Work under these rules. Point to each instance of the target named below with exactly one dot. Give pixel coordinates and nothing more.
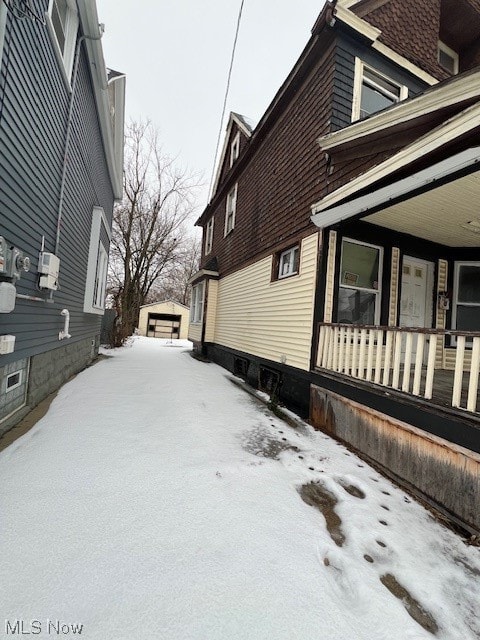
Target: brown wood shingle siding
(283, 178)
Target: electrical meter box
(8, 292)
(3, 255)
(7, 344)
(49, 267)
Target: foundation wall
(445, 474)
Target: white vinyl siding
(211, 310)
(269, 319)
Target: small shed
(165, 319)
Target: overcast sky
(176, 55)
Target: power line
(226, 95)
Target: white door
(416, 294)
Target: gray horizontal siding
(32, 143)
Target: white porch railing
(400, 358)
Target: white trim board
(324, 218)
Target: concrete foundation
(48, 371)
(445, 474)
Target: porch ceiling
(438, 215)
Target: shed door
(163, 325)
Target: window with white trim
(447, 58)
(359, 290)
(235, 149)
(62, 22)
(14, 380)
(97, 265)
(373, 91)
(196, 310)
(230, 210)
(100, 278)
(209, 236)
(288, 262)
(466, 303)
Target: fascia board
(356, 23)
(434, 100)
(344, 15)
(387, 194)
(241, 126)
(456, 126)
(233, 118)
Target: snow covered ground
(158, 500)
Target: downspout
(3, 22)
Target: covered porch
(405, 359)
(401, 286)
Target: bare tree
(149, 226)
(173, 285)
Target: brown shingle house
(341, 263)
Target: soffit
(437, 215)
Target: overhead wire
(227, 88)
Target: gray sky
(176, 55)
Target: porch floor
(442, 390)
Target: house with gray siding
(61, 164)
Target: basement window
(14, 380)
(447, 58)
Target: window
(288, 262)
(447, 58)
(94, 300)
(466, 312)
(14, 380)
(62, 21)
(230, 210)
(100, 278)
(373, 91)
(209, 236)
(235, 149)
(196, 312)
(360, 274)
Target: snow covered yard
(158, 500)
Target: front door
(416, 293)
